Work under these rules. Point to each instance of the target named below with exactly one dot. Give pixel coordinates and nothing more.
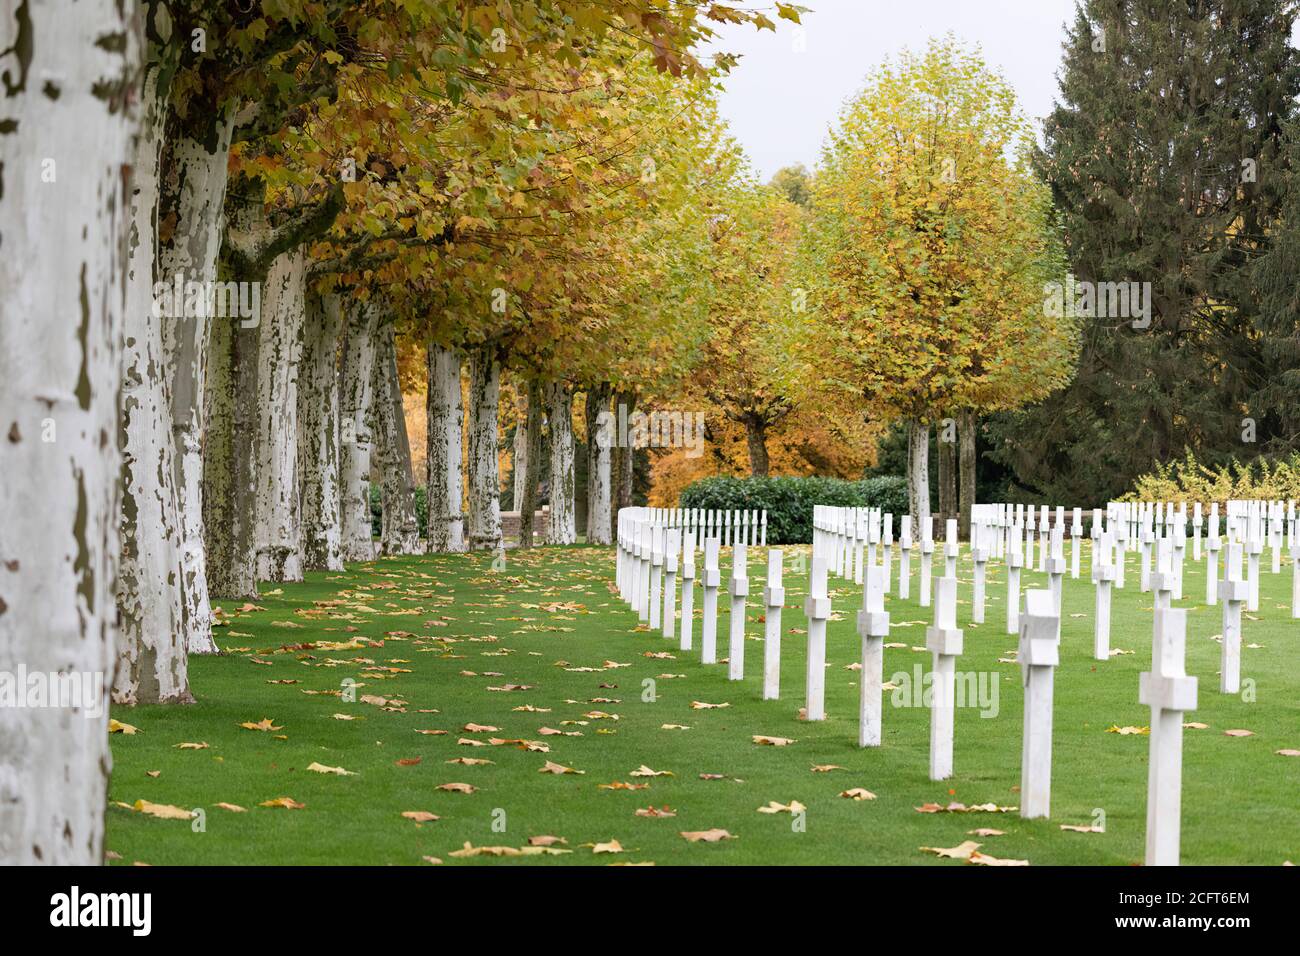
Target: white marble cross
(1042, 539)
(1234, 592)
(672, 547)
(656, 575)
(950, 548)
(1179, 551)
(1170, 693)
(1103, 574)
(1212, 546)
(1197, 522)
(1148, 543)
(980, 555)
(1162, 579)
(944, 641)
(873, 628)
(1040, 630)
(1056, 569)
(1295, 581)
(688, 590)
(1015, 561)
(738, 588)
(1076, 529)
(905, 559)
(1255, 547)
(711, 580)
(773, 600)
(887, 549)
(927, 556)
(643, 571)
(817, 607)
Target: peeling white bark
(562, 528)
(918, 475)
(152, 655)
(62, 273)
(354, 430)
(193, 191)
(318, 435)
(600, 435)
(519, 456)
(484, 474)
(399, 528)
(445, 420)
(284, 314)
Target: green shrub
(421, 511)
(789, 501)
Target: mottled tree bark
(533, 463)
(967, 422)
(444, 492)
(947, 470)
(357, 375)
(756, 438)
(399, 528)
(562, 528)
(600, 434)
(152, 655)
(484, 475)
(71, 94)
(318, 435)
(918, 474)
(624, 404)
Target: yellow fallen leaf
(287, 803)
(983, 859)
(772, 806)
(644, 771)
(232, 807)
(857, 793)
(420, 816)
(263, 724)
(191, 746)
(1126, 731)
(117, 727)
(962, 851)
(611, 846)
(715, 835)
(457, 787)
(771, 741)
(164, 811)
(1078, 829)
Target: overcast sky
(781, 102)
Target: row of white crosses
(850, 540)
(747, 526)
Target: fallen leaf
(612, 846)
(337, 771)
(1239, 733)
(164, 811)
(857, 793)
(456, 787)
(117, 727)
(263, 724)
(644, 771)
(420, 816)
(983, 859)
(772, 806)
(962, 851)
(707, 836)
(772, 741)
(556, 768)
(287, 803)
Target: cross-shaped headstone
(1197, 522)
(672, 546)
(711, 580)
(950, 549)
(1103, 574)
(738, 587)
(817, 607)
(773, 600)
(1076, 529)
(1255, 547)
(1015, 561)
(1212, 546)
(1170, 693)
(927, 556)
(980, 556)
(887, 548)
(944, 641)
(656, 575)
(1056, 568)
(688, 589)
(1039, 655)
(905, 559)
(873, 628)
(1234, 591)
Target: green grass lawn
(451, 629)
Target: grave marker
(1076, 529)
(1103, 573)
(712, 578)
(738, 587)
(905, 559)
(774, 600)
(688, 590)
(950, 549)
(927, 555)
(1169, 692)
(673, 544)
(656, 575)
(1212, 570)
(1039, 655)
(873, 628)
(817, 607)
(1234, 592)
(944, 641)
(1014, 562)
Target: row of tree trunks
(484, 473)
(63, 273)
(318, 435)
(400, 529)
(356, 378)
(600, 435)
(445, 419)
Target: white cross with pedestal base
(673, 545)
(688, 590)
(773, 600)
(818, 609)
(1103, 574)
(1039, 655)
(1015, 560)
(873, 628)
(1234, 592)
(711, 580)
(738, 588)
(1170, 693)
(944, 640)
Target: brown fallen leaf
(983, 859)
(556, 768)
(232, 807)
(337, 771)
(611, 846)
(1239, 733)
(469, 761)
(164, 811)
(457, 787)
(962, 851)
(1078, 829)
(655, 812)
(286, 803)
(191, 746)
(409, 761)
(772, 806)
(420, 816)
(153, 773)
(986, 832)
(771, 741)
(825, 767)
(545, 840)
(858, 793)
(480, 729)
(263, 724)
(622, 785)
(707, 836)
(644, 771)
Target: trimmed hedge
(789, 501)
(377, 510)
